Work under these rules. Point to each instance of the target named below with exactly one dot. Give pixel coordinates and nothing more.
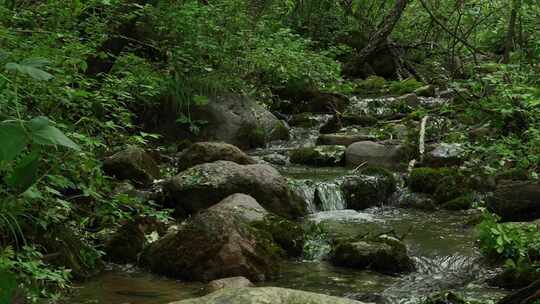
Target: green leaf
(31, 67)
(44, 133)
(8, 284)
(25, 173)
(13, 133)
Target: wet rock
(132, 164)
(463, 202)
(304, 120)
(444, 184)
(276, 159)
(370, 85)
(515, 278)
(206, 152)
(128, 242)
(238, 120)
(204, 185)
(368, 297)
(216, 243)
(425, 91)
(516, 201)
(374, 154)
(265, 295)
(372, 187)
(445, 154)
(445, 298)
(318, 156)
(416, 201)
(343, 139)
(234, 282)
(287, 234)
(383, 254)
(340, 121)
(410, 99)
(302, 98)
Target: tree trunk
(510, 33)
(381, 35)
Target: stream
(442, 244)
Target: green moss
(280, 131)
(287, 234)
(389, 178)
(425, 91)
(318, 156)
(371, 85)
(254, 135)
(426, 180)
(463, 202)
(405, 86)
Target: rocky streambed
(353, 217)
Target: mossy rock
(463, 202)
(425, 91)
(287, 234)
(372, 187)
(445, 298)
(427, 180)
(371, 85)
(303, 120)
(280, 131)
(319, 156)
(444, 184)
(408, 85)
(515, 278)
(383, 254)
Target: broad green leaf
(25, 173)
(13, 140)
(31, 67)
(44, 133)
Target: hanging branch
(444, 28)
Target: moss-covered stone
(444, 184)
(445, 298)
(280, 131)
(319, 156)
(425, 91)
(287, 234)
(405, 86)
(303, 120)
(371, 85)
(372, 187)
(427, 180)
(463, 202)
(383, 253)
(514, 174)
(514, 278)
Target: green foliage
(516, 244)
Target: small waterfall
(330, 197)
(320, 196)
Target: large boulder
(445, 154)
(318, 156)
(207, 152)
(373, 187)
(516, 201)
(132, 164)
(383, 254)
(374, 154)
(265, 295)
(206, 184)
(238, 120)
(216, 243)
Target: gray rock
(425, 91)
(206, 184)
(132, 164)
(445, 154)
(318, 156)
(234, 282)
(374, 154)
(238, 120)
(367, 190)
(516, 201)
(343, 139)
(384, 254)
(410, 99)
(265, 295)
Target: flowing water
(441, 243)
